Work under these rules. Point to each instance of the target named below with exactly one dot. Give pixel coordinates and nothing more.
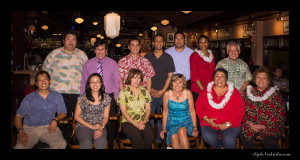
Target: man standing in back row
(134, 60)
(65, 67)
(164, 68)
(181, 56)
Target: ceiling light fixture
(165, 22)
(44, 27)
(154, 28)
(112, 25)
(79, 20)
(186, 12)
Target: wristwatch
(102, 126)
(227, 124)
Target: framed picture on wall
(285, 26)
(214, 35)
(170, 37)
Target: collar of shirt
(48, 96)
(130, 57)
(102, 60)
(75, 51)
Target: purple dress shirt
(110, 74)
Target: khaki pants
(40, 133)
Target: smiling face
(100, 51)
(179, 41)
(159, 42)
(135, 81)
(233, 52)
(220, 79)
(262, 81)
(95, 83)
(203, 44)
(70, 42)
(134, 47)
(43, 82)
(178, 85)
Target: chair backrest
(18, 82)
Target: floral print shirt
(136, 107)
(92, 114)
(238, 72)
(65, 70)
(141, 63)
(270, 113)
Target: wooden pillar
(257, 38)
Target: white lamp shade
(112, 25)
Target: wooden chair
(194, 142)
(257, 142)
(122, 140)
(73, 143)
(237, 142)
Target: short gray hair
(231, 43)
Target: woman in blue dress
(179, 117)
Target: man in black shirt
(164, 68)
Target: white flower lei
(206, 59)
(264, 97)
(224, 101)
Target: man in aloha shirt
(65, 66)
(238, 71)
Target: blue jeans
(228, 140)
(156, 108)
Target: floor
(285, 141)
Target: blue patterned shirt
(38, 111)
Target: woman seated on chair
(265, 112)
(135, 104)
(92, 114)
(220, 108)
(179, 117)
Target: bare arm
(165, 114)
(199, 84)
(192, 109)
(166, 86)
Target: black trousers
(70, 102)
(111, 124)
(269, 142)
(141, 139)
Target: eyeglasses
(95, 82)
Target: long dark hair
(88, 90)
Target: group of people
(195, 96)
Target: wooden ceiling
(134, 22)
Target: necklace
(264, 97)
(206, 59)
(225, 99)
(177, 97)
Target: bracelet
(18, 130)
(55, 120)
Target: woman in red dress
(265, 112)
(202, 65)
